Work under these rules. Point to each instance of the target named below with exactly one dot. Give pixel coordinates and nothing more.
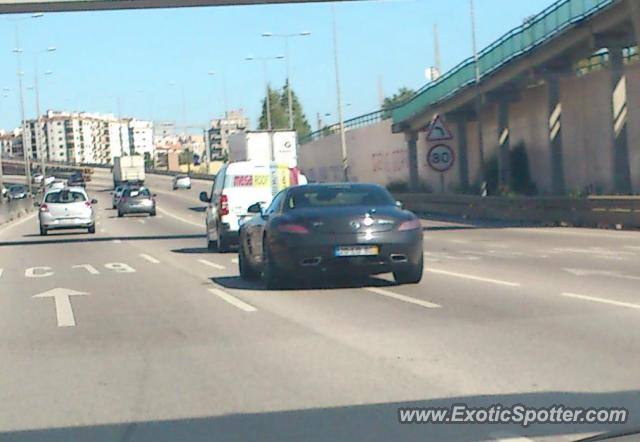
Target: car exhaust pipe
(398, 257)
(311, 262)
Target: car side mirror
(94, 201)
(255, 208)
(204, 197)
(399, 205)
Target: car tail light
(410, 225)
(44, 208)
(293, 228)
(223, 205)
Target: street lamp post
(264, 61)
(1, 173)
(40, 148)
(343, 139)
(286, 38)
(478, 98)
(19, 73)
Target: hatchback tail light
(223, 207)
(44, 208)
(293, 228)
(410, 225)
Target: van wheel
(92, 229)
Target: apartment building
(81, 137)
(221, 128)
(11, 143)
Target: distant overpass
(29, 6)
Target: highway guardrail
(596, 211)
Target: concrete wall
(15, 209)
(375, 155)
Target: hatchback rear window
(65, 197)
(137, 193)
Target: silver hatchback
(137, 200)
(67, 208)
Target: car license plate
(357, 251)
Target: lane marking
(609, 273)
(64, 311)
(211, 264)
(117, 241)
(403, 298)
(38, 272)
(141, 221)
(474, 278)
(149, 258)
(602, 300)
(233, 300)
(103, 230)
(179, 218)
(88, 267)
(1, 272)
(234, 260)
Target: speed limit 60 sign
(441, 158)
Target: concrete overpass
(527, 91)
(28, 6)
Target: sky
(147, 63)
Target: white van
(237, 186)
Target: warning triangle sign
(437, 131)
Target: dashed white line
(103, 230)
(149, 258)
(141, 221)
(474, 278)
(1, 272)
(211, 264)
(117, 241)
(234, 260)
(179, 218)
(233, 300)
(403, 298)
(602, 300)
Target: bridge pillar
(634, 9)
(463, 149)
(412, 159)
(621, 182)
(504, 149)
(556, 157)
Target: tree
(279, 119)
(279, 105)
(396, 99)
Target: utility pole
(436, 51)
(343, 140)
(27, 160)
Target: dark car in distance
(331, 229)
(76, 180)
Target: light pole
(1, 152)
(478, 104)
(40, 148)
(264, 61)
(343, 139)
(286, 38)
(19, 73)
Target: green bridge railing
(535, 31)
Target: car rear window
(65, 197)
(137, 193)
(338, 196)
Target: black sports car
(348, 229)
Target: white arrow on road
(610, 273)
(64, 312)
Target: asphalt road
(163, 341)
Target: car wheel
(410, 275)
(152, 213)
(43, 231)
(246, 271)
(120, 214)
(271, 276)
(114, 207)
(92, 229)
